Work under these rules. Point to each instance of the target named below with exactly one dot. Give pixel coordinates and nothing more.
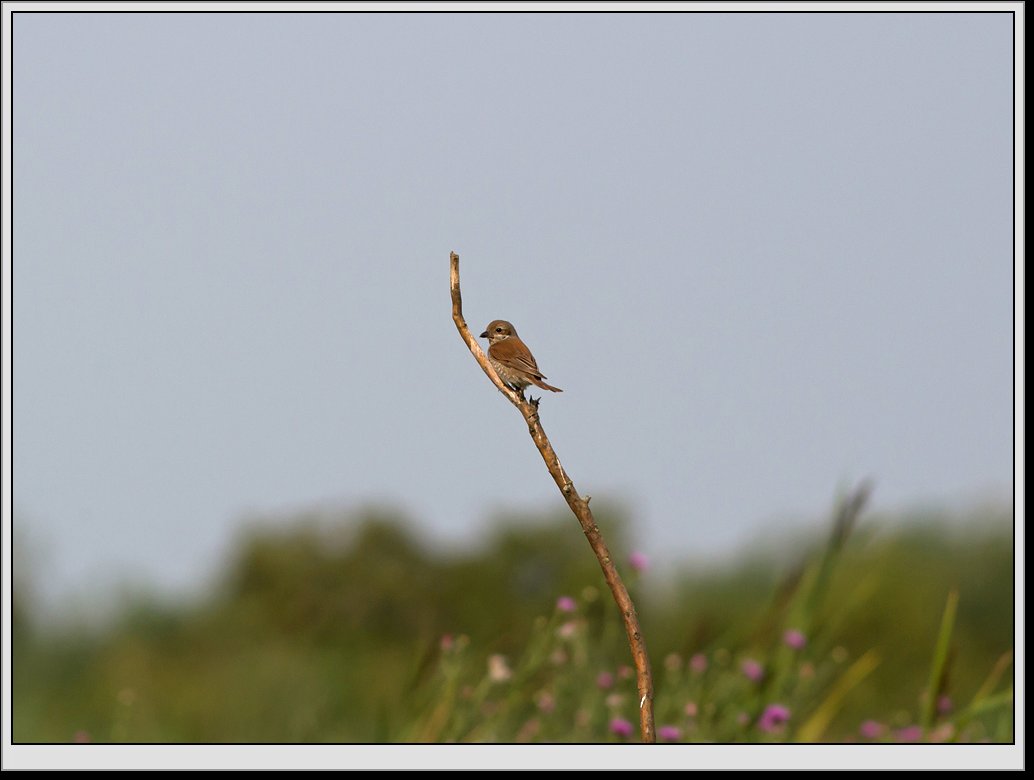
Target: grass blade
(940, 659)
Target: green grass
(352, 631)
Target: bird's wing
(514, 354)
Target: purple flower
(691, 709)
(566, 604)
(604, 680)
(621, 727)
(944, 704)
(669, 733)
(638, 561)
(773, 718)
(871, 729)
(698, 663)
(794, 639)
(528, 730)
(909, 734)
(752, 670)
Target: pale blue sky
(764, 255)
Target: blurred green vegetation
(351, 630)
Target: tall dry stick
(579, 505)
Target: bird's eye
(498, 330)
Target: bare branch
(579, 506)
(468, 337)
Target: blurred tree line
(325, 630)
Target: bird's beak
(484, 335)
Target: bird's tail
(544, 386)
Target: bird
(511, 358)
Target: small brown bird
(512, 359)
